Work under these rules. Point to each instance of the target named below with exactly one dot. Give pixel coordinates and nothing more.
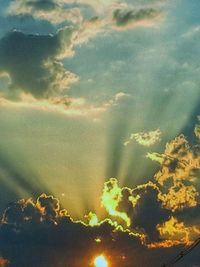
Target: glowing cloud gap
(111, 197)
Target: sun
(100, 261)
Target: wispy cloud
(64, 105)
(49, 10)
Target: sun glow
(100, 261)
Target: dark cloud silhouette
(32, 61)
(149, 209)
(42, 234)
(134, 207)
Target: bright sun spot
(100, 261)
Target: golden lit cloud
(180, 163)
(180, 196)
(174, 232)
(145, 138)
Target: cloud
(174, 232)
(179, 168)
(36, 229)
(112, 15)
(111, 197)
(64, 105)
(137, 220)
(53, 11)
(41, 233)
(165, 201)
(145, 138)
(179, 161)
(134, 207)
(32, 61)
(124, 18)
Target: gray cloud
(124, 17)
(32, 61)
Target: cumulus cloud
(145, 138)
(165, 201)
(132, 208)
(176, 233)
(180, 163)
(180, 160)
(32, 61)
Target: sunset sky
(99, 132)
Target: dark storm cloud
(41, 234)
(149, 209)
(32, 61)
(126, 17)
(140, 205)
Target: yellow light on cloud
(100, 261)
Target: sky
(99, 132)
